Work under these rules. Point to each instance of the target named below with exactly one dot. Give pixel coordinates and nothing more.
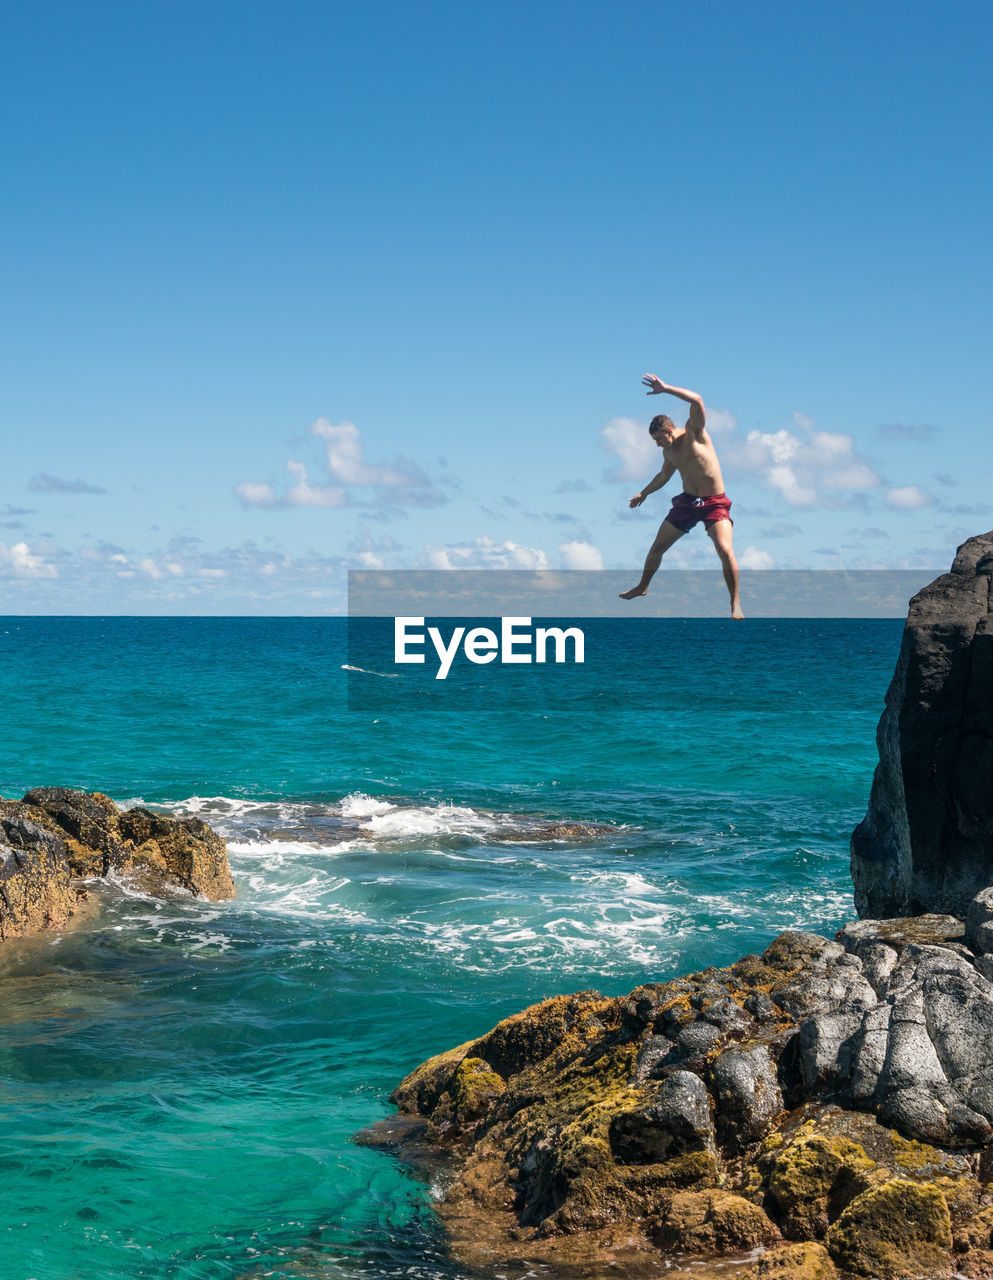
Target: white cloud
(803, 470)
(19, 562)
(484, 553)
(637, 451)
(305, 494)
(720, 421)
(910, 497)
(401, 483)
(803, 421)
(177, 578)
(347, 463)
(640, 457)
(256, 495)
(755, 558)
(854, 476)
(580, 555)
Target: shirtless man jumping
(690, 451)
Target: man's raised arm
(698, 413)
(663, 477)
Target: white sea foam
(288, 827)
(384, 675)
(427, 882)
(131, 887)
(443, 819)
(359, 805)
(625, 883)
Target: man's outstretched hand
(637, 500)
(655, 385)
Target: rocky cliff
(926, 843)
(54, 837)
(824, 1110)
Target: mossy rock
(563, 1023)
(977, 1265)
(711, 1222)
(918, 1159)
(812, 1181)
(568, 1179)
(964, 1197)
(418, 1093)
(185, 850)
(806, 1261)
(897, 1231)
(473, 1089)
(586, 1093)
(691, 1170)
(976, 1232)
(153, 848)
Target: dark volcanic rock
(801, 1093)
(91, 822)
(926, 842)
(675, 1120)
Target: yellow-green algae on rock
(897, 1231)
(812, 1180)
(710, 1222)
(588, 1128)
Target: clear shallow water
(181, 1082)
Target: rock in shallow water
(55, 834)
(596, 1115)
(35, 881)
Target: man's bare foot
(736, 613)
(635, 591)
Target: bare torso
(695, 458)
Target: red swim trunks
(688, 510)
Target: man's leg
(720, 534)
(666, 536)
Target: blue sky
(292, 289)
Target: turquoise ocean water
(181, 1081)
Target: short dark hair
(658, 422)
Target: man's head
(662, 429)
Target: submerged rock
(926, 842)
(55, 834)
(538, 832)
